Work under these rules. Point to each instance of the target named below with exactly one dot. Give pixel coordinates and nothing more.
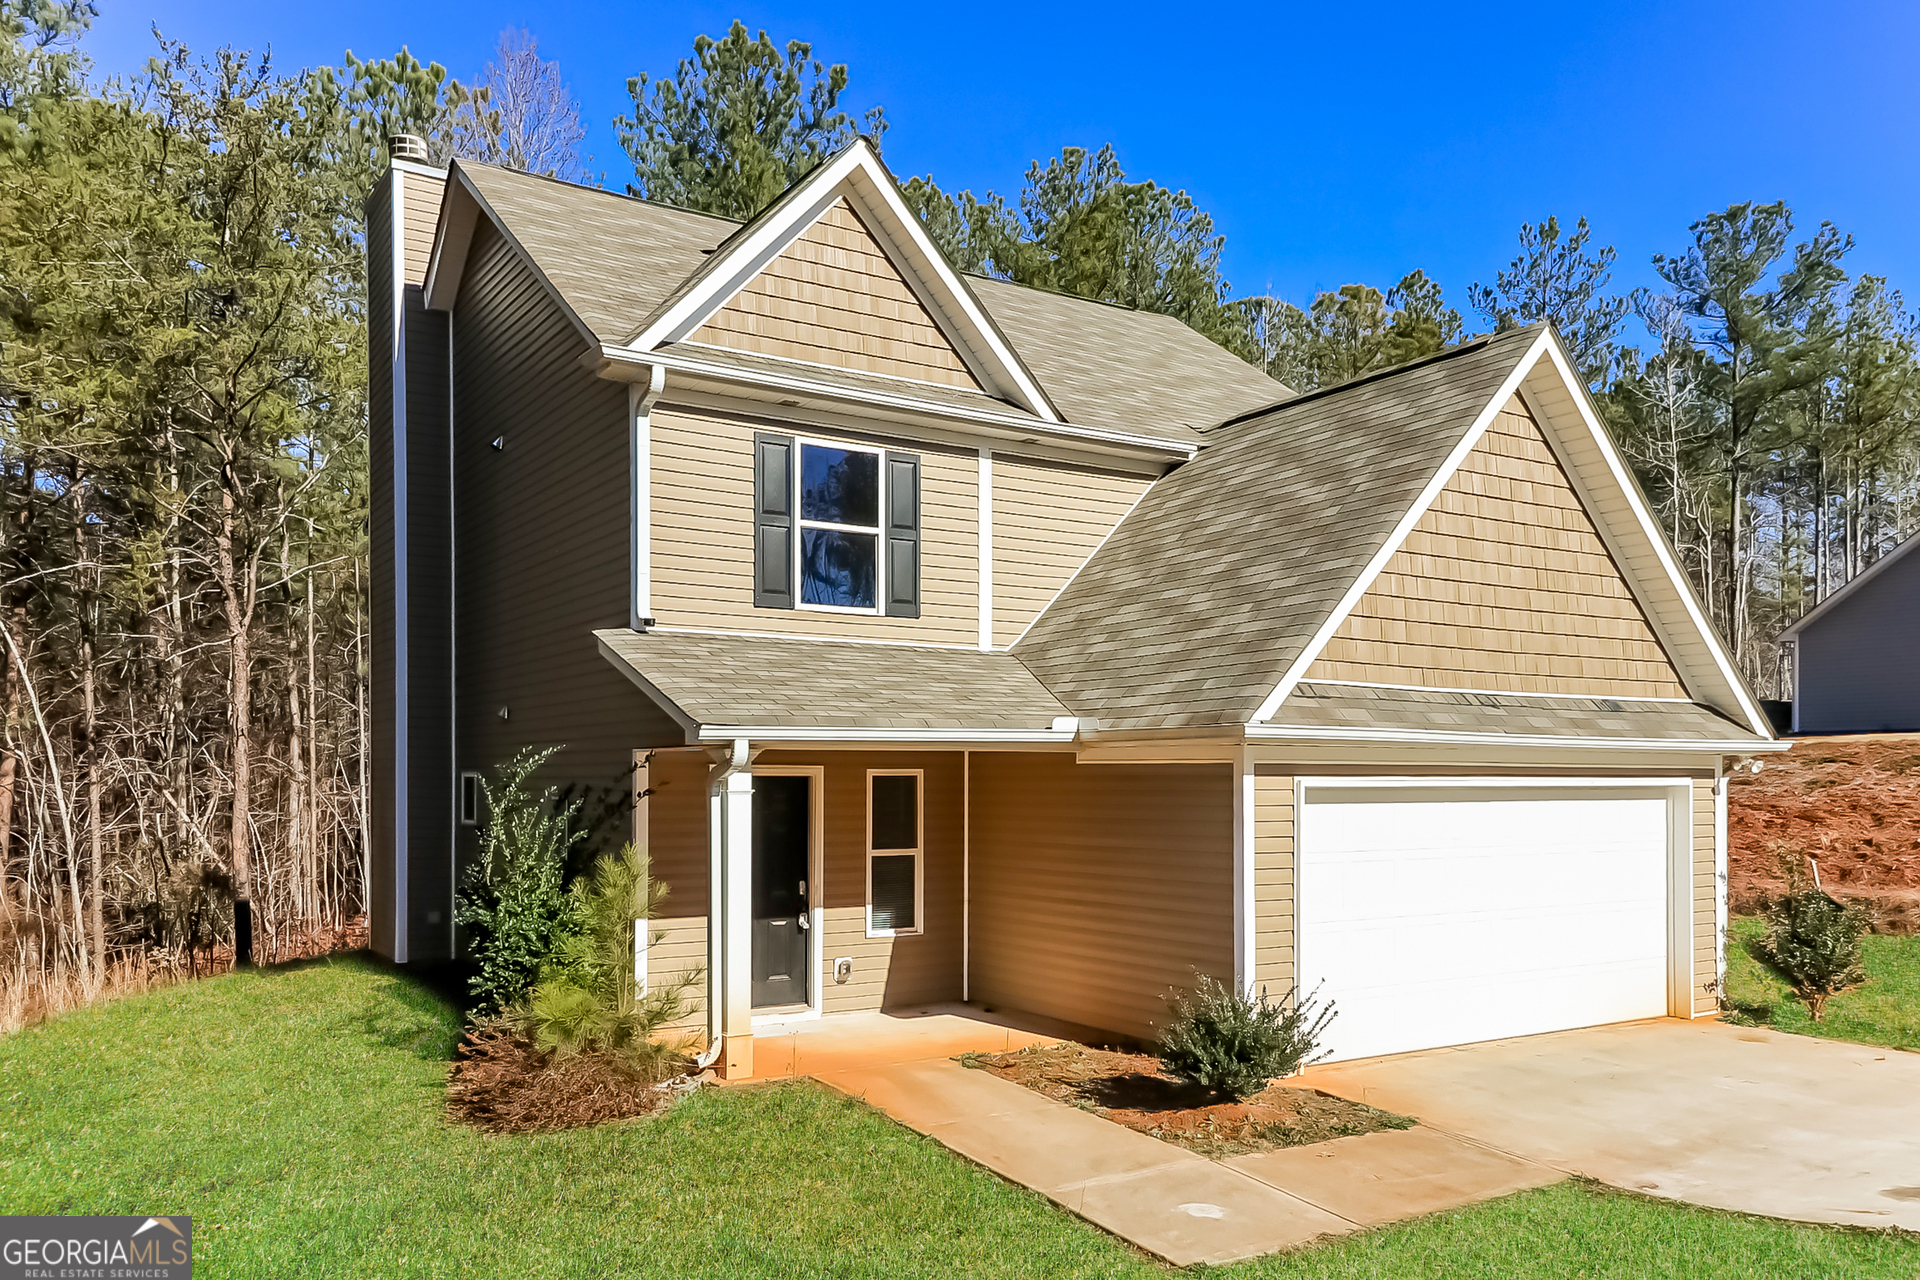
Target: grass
(1885, 1010)
(297, 1115)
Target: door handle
(804, 922)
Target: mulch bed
(1853, 805)
(1131, 1089)
(502, 1085)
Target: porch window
(894, 833)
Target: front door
(781, 823)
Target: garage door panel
(1432, 917)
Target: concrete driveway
(1730, 1117)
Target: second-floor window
(836, 527)
(839, 525)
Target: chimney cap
(407, 146)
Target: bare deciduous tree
(520, 114)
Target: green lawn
(1885, 1010)
(297, 1115)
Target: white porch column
(730, 919)
(1245, 830)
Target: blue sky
(1332, 142)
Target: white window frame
(460, 799)
(919, 852)
(801, 524)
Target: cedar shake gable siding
(834, 297)
(1505, 585)
(1194, 608)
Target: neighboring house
(1856, 655)
(962, 641)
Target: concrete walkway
(1169, 1201)
(1735, 1118)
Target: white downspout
(640, 495)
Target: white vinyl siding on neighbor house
(1444, 914)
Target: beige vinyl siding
(1506, 586)
(1273, 893)
(1098, 888)
(702, 479)
(680, 855)
(542, 548)
(420, 218)
(887, 972)
(1047, 519)
(1706, 892)
(834, 297)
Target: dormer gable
(833, 296)
(840, 273)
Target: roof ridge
(1478, 343)
(466, 163)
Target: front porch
(889, 1037)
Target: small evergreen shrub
(1231, 1043)
(1812, 940)
(587, 998)
(513, 900)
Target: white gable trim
(858, 175)
(1852, 585)
(1720, 685)
(1375, 566)
(1732, 695)
(460, 210)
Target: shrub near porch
(1884, 1010)
(297, 1114)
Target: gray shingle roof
(1124, 370)
(778, 682)
(618, 261)
(1337, 706)
(1193, 609)
(613, 258)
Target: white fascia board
(785, 733)
(444, 286)
(1650, 529)
(1730, 746)
(452, 237)
(1852, 585)
(903, 401)
(858, 170)
(1363, 583)
(688, 725)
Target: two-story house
(961, 641)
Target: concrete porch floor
(848, 1041)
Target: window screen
(893, 891)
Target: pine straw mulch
(1853, 804)
(502, 1085)
(1131, 1089)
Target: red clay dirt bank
(1850, 803)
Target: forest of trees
(183, 584)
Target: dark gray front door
(781, 822)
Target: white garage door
(1440, 916)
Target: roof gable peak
(856, 177)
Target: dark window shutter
(773, 522)
(903, 535)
